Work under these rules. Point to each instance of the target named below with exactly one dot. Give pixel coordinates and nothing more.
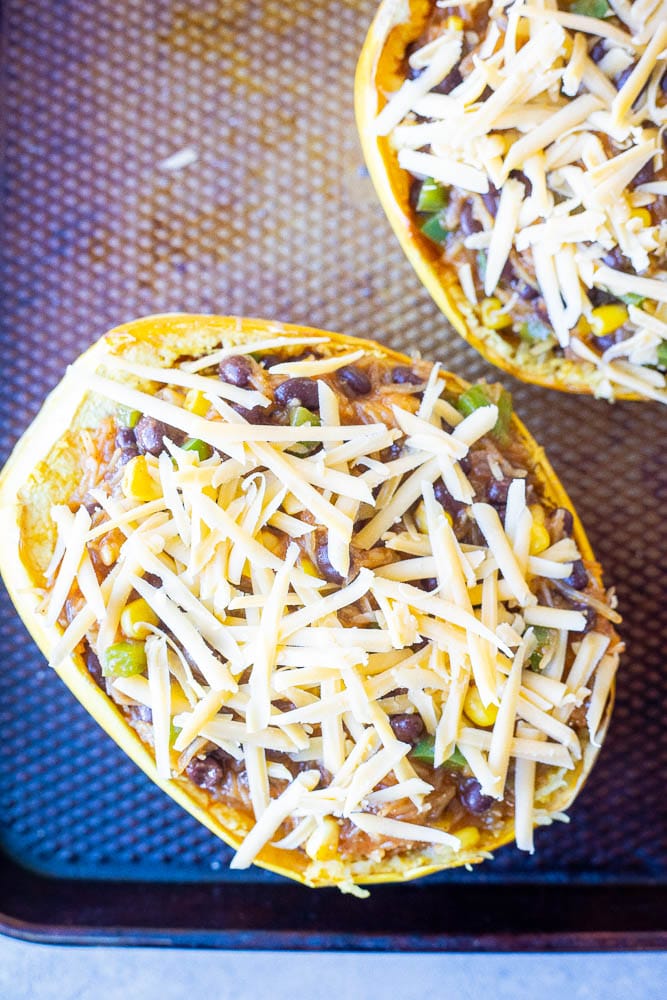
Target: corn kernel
(606, 319)
(475, 595)
(476, 711)
(537, 511)
(322, 845)
(137, 482)
(135, 617)
(644, 215)
(421, 521)
(196, 403)
(271, 542)
(211, 493)
(468, 835)
(308, 566)
(420, 518)
(455, 23)
(492, 317)
(583, 327)
(539, 538)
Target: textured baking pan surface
(202, 156)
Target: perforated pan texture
(275, 217)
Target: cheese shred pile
(562, 132)
(250, 653)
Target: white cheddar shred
(308, 599)
(553, 120)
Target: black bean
(150, 434)
(445, 498)
(645, 176)
(663, 86)
(519, 175)
(491, 199)
(623, 77)
(393, 452)
(407, 728)
(600, 297)
(94, 667)
(127, 443)
(452, 80)
(497, 492)
(615, 259)
(125, 438)
(236, 370)
(610, 339)
(127, 455)
(598, 51)
(578, 578)
(468, 223)
(402, 374)
(324, 566)
(354, 380)
(562, 522)
(472, 798)
(526, 291)
(254, 415)
(153, 580)
(302, 389)
(269, 360)
(207, 773)
(415, 190)
(429, 584)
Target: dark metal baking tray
(273, 216)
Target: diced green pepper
(662, 354)
(127, 417)
(173, 733)
(542, 634)
(632, 298)
(432, 196)
(504, 404)
(543, 637)
(472, 399)
(434, 228)
(482, 395)
(124, 659)
(300, 416)
(591, 8)
(202, 449)
(534, 329)
(424, 751)
(456, 759)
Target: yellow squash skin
(378, 75)
(42, 470)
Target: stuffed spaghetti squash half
(333, 600)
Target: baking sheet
(202, 156)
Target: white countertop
(43, 972)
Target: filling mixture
(535, 136)
(329, 590)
